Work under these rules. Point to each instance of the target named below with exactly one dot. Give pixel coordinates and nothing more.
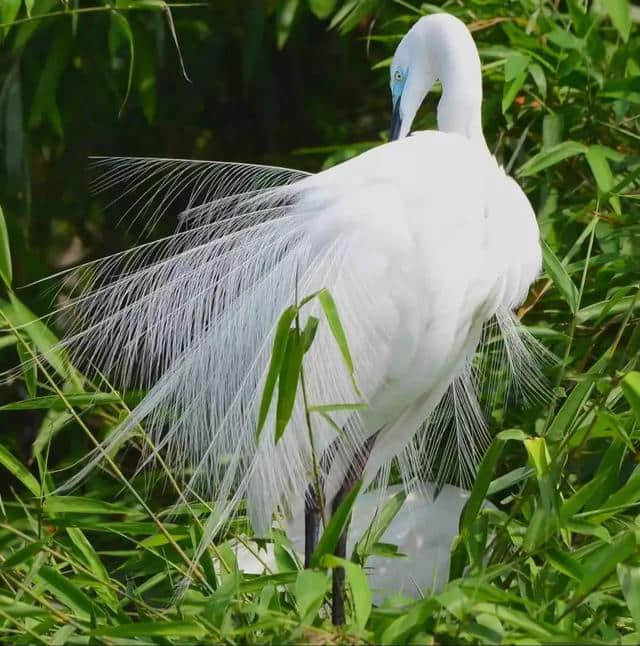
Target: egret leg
(311, 524)
(352, 476)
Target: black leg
(311, 524)
(352, 476)
(337, 583)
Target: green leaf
(552, 127)
(565, 563)
(8, 12)
(6, 272)
(44, 341)
(379, 524)
(322, 8)
(56, 402)
(620, 14)
(19, 557)
(152, 629)
(121, 24)
(551, 157)
(538, 455)
(600, 309)
(566, 416)
(481, 485)
(81, 505)
(629, 578)
(561, 279)
(94, 563)
(288, 381)
(14, 466)
(515, 73)
(275, 365)
(597, 160)
(539, 78)
(601, 564)
(65, 591)
(309, 332)
(333, 408)
(331, 312)
(310, 589)
(336, 525)
(29, 368)
(359, 586)
(286, 13)
(631, 389)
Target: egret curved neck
(459, 70)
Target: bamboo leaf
(6, 272)
(331, 312)
(277, 357)
(551, 157)
(561, 279)
(14, 466)
(288, 381)
(335, 527)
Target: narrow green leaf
(551, 157)
(277, 357)
(19, 557)
(332, 408)
(561, 279)
(600, 309)
(6, 272)
(515, 73)
(565, 563)
(566, 416)
(94, 563)
(56, 402)
(81, 505)
(322, 8)
(8, 12)
(119, 22)
(359, 586)
(379, 525)
(335, 527)
(481, 485)
(331, 312)
(288, 381)
(597, 160)
(310, 589)
(29, 369)
(629, 578)
(620, 13)
(43, 339)
(600, 565)
(152, 629)
(65, 591)
(14, 466)
(538, 455)
(286, 14)
(631, 388)
(309, 332)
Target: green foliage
(556, 558)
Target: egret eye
(398, 75)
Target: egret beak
(396, 121)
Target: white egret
(422, 242)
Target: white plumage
(422, 242)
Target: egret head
(412, 76)
(438, 47)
